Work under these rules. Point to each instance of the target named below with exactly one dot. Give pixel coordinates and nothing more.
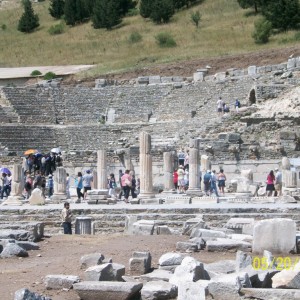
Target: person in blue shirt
(50, 186)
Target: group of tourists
(274, 183)
(5, 185)
(223, 108)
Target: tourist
(221, 181)
(79, 186)
(181, 157)
(87, 180)
(175, 179)
(37, 183)
(43, 165)
(207, 182)
(133, 184)
(186, 160)
(66, 216)
(59, 160)
(43, 185)
(9, 177)
(52, 163)
(30, 161)
(50, 185)
(4, 185)
(28, 185)
(270, 183)
(120, 183)
(226, 108)
(278, 183)
(181, 183)
(200, 178)
(186, 178)
(126, 183)
(68, 186)
(237, 105)
(213, 183)
(112, 186)
(220, 106)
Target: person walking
(4, 185)
(213, 183)
(79, 186)
(126, 182)
(237, 106)
(50, 185)
(270, 184)
(87, 180)
(120, 183)
(28, 185)
(112, 186)
(175, 179)
(220, 106)
(68, 186)
(207, 181)
(221, 181)
(181, 183)
(66, 216)
(278, 183)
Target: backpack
(27, 186)
(238, 103)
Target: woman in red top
(175, 179)
(270, 183)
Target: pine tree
(28, 21)
(70, 12)
(106, 14)
(283, 14)
(251, 3)
(126, 5)
(82, 11)
(146, 8)
(162, 11)
(179, 3)
(56, 8)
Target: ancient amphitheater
(175, 112)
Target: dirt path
(61, 255)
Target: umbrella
(30, 151)
(56, 150)
(38, 154)
(5, 170)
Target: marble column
(194, 179)
(168, 171)
(17, 186)
(205, 164)
(101, 170)
(60, 177)
(289, 178)
(95, 179)
(146, 184)
(127, 161)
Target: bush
(36, 73)
(132, 12)
(165, 40)
(135, 37)
(196, 17)
(297, 36)
(57, 29)
(262, 31)
(162, 11)
(3, 26)
(49, 76)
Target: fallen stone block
(157, 275)
(189, 270)
(90, 260)
(242, 261)
(221, 267)
(164, 230)
(28, 245)
(191, 291)
(158, 290)
(105, 272)
(190, 224)
(12, 249)
(186, 246)
(281, 235)
(170, 259)
(237, 224)
(207, 234)
(227, 287)
(19, 235)
(287, 279)
(140, 263)
(199, 241)
(242, 237)
(25, 294)
(220, 245)
(58, 282)
(107, 290)
(36, 197)
(143, 227)
(270, 294)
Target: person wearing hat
(278, 182)
(50, 185)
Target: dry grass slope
(223, 30)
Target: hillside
(224, 32)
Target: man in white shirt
(87, 179)
(278, 182)
(220, 106)
(4, 185)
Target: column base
(194, 192)
(13, 200)
(58, 198)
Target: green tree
(126, 5)
(179, 3)
(262, 31)
(56, 8)
(29, 20)
(250, 3)
(196, 17)
(107, 13)
(146, 8)
(70, 12)
(162, 11)
(76, 11)
(283, 14)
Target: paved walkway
(7, 73)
